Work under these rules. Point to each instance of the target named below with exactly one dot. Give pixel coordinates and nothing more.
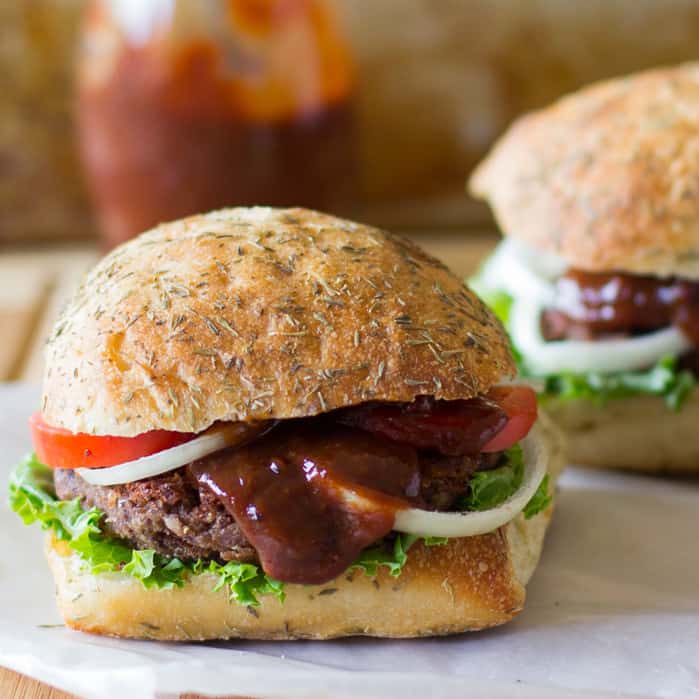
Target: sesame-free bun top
(247, 314)
(607, 178)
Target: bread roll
(465, 585)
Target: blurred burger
(597, 280)
(278, 424)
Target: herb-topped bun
(598, 279)
(605, 178)
(279, 424)
(252, 314)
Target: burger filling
(598, 306)
(298, 500)
(591, 335)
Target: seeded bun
(247, 314)
(607, 178)
(655, 439)
(468, 584)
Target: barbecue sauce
(309, 499)
(590, 306)
(311, 493)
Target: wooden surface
(34, 284)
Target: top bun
(607, 178)
(248, 314)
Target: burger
(597, 279)
(278, 424)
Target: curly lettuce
(665, 379)
(488, 489)
(393, 554)
(32, 497)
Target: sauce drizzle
(308, 499)
(589, 306)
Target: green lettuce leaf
(32, 497)
(500, 303)
(392, 553)
(664, 379)
(488, 489)
(245, 581)
(154, 570)
(540, 500)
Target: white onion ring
(521, 272)
(411, 521)
(542, 357)
(214, 439)
(463, 524)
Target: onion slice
(521, 272)
(214, 439)
(527, 276)
(627, 354)
(463, 524)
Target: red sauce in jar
(177, 126)
(594, 305)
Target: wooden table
(34, 284)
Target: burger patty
(175, 516)
(168, 513)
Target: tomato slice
(489, 423)
(451, 427)
(520, 405)
(60, 448)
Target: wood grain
(16, 686)
(35, 283)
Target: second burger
(597, 280)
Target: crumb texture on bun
(606, 177)
(465, 585)
(247, 314)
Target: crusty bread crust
(247, 314)
(639, 433)
(606, 177)
(465, 585)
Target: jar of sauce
(190, 105)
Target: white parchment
(612, 611)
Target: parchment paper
(612, 611)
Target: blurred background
(375, 109)
(117, 114)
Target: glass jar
(190, 105)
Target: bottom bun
(465, 585)
(639, 433)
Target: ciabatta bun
(468, 584)
(606, 177)
(248, 314)
(639, 433)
